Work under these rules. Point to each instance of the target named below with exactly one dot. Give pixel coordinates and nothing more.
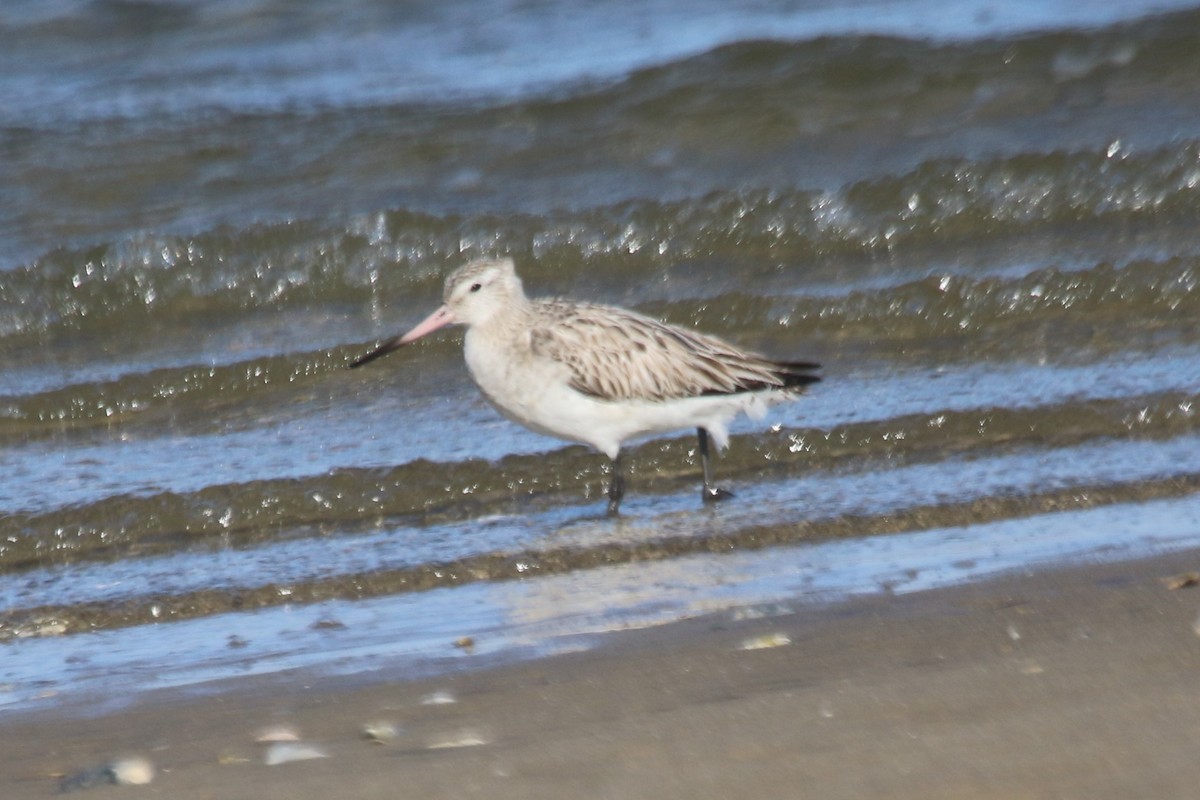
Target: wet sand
(1067, 682)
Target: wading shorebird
(601, 375)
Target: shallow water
(414, 634)
(979, 219)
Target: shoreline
(423, 634)
(1062, 681)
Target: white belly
(536, 393)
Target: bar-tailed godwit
(601, 375)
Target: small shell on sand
(286, 752)
(381, 731)
(468, 737)
(131, 771)
(277, 733)
(767, 640)
(441, 697)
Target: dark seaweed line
(54, 620)
(422, 492)
(150, 396)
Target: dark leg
(711, 493)
(616, 486)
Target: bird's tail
(796, 374)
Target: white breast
(529, 390)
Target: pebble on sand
(287, 752)
(767, 640)
(465, 738)
(132, 771)
(126, 771)
(380, 731)
(441, 697)
(277, 733)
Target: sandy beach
(1076, 681)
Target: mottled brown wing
(619, 355)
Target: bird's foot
(712, 494)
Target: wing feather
(616, 354)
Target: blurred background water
(979, 216)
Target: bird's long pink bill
(437, 319)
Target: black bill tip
(378, 352)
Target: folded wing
(615, 354)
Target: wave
(322, 59)
(383, 257)
(786, 116)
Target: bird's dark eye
(475, 287)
